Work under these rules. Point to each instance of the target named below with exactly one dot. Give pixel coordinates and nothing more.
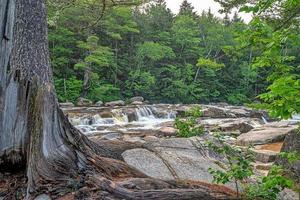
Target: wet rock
(215, 112)
(99, 103)
(148, 163)
(137, 98)
(84, 102)
(268, 133)
(66, 104)
(106, 114)
(115, 103)
(131, 114)
(137, 103)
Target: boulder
(131, 114)
(147, 162)
(215, 111)
(84, 102)
(167, 131)
(265, 156)
(291, 144)
(235, 125)
(175, 158)
(66, 104)
(99, 103)
(188, 164)
(137, 98)
(288, 194)
(137, 103)
(106, 114)
(265, 134)
(115, 103)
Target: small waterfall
(144, 114)
(264, 119)
(103, 121)
(171, 115)
(296, 117)
(119, 116)
(142, 117)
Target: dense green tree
(153, 53)
(186, 8)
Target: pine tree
(186, 8)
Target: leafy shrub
(188, 127)
(268, 187)
(238, 167)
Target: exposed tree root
(62, 160)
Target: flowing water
(145, 118)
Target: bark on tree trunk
(35, 133)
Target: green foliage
(238, 167)
(291, 157)
(68, 89)
(188, 127)
(104, 93)
(183, 58)
(269, 187)
(155, 51)
(208, 63)
(140, 83)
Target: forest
(151, 52)
(209, 106)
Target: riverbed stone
(84, 102)
(167, 131)
(288, 194)
(266, 134)
(99, 103)
(66, 104)
(115, 103)
(188, 164)
(234, 125)
(172, 143)
(147, 162)
(265, 156)
(137, 103)
(137, 98)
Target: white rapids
(145, 119)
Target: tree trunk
(36, 135)
(86, 81)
